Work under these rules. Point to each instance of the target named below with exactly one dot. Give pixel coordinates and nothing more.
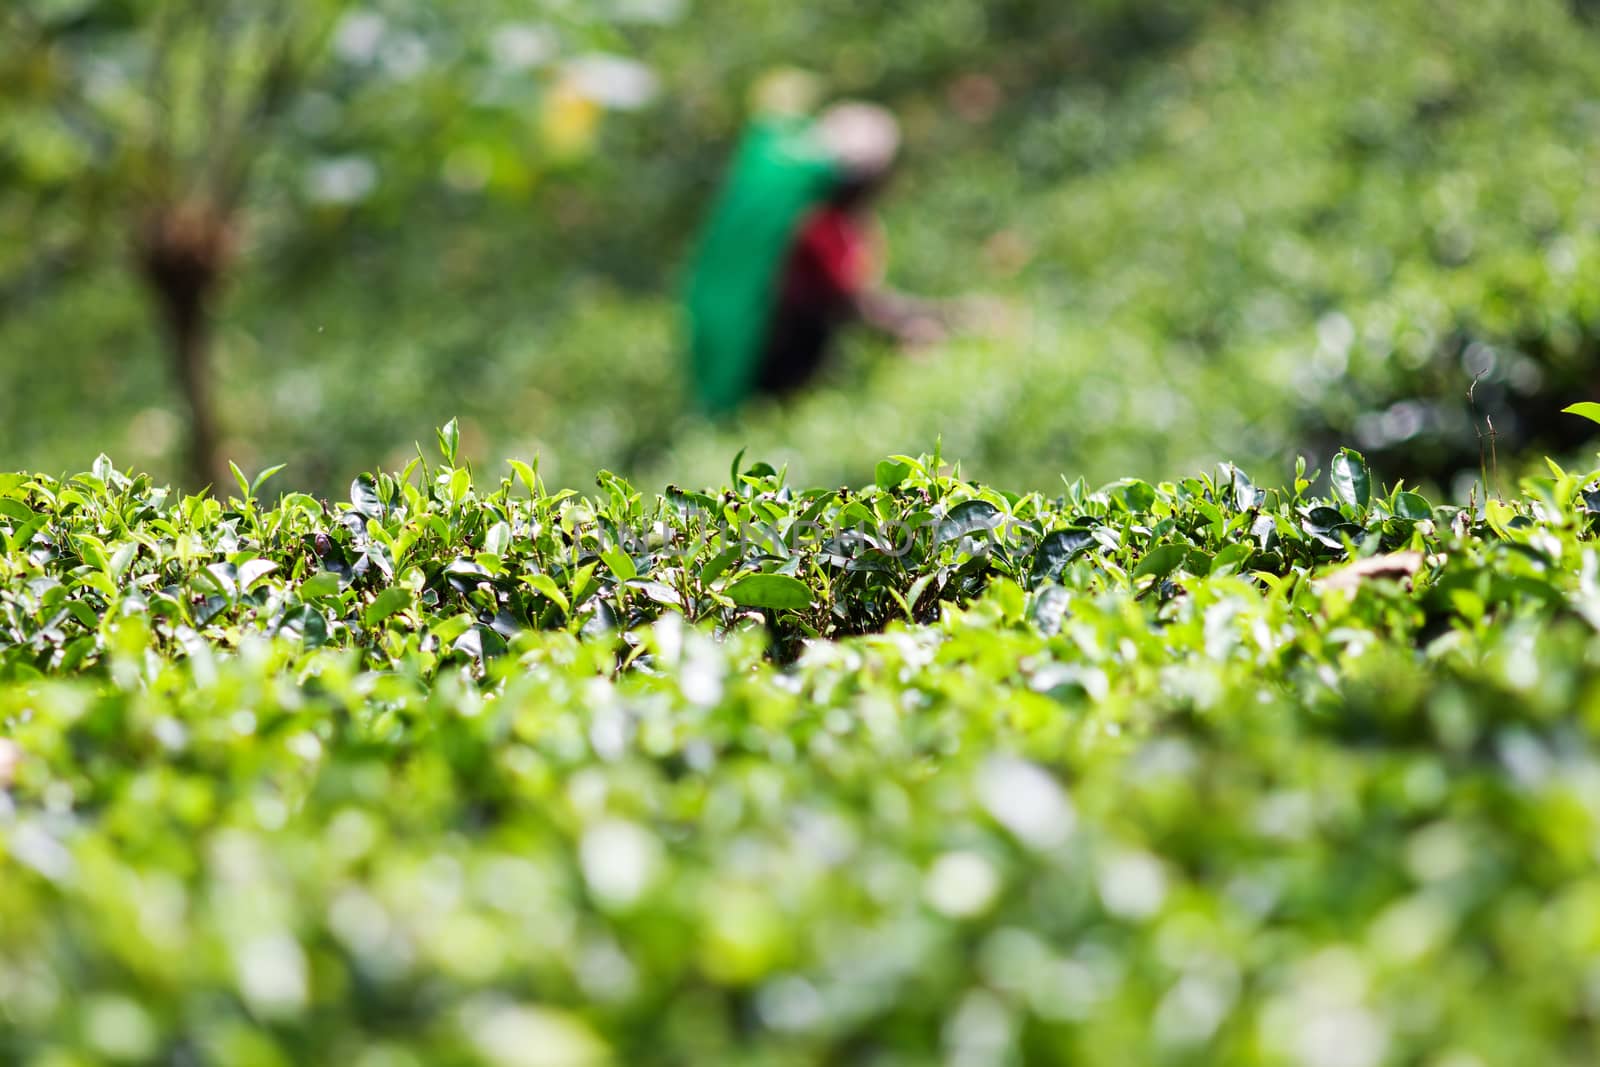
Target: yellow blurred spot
(785, 91)
(569, 122)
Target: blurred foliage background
(1242, 230)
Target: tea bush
(917, 772)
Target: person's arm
(910, 320)
(836, 265)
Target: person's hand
(985, 316)
(920, 331)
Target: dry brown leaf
(1399, 565)
(10, 757)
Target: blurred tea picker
(791, 253)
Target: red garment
(830, 262)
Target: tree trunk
(189, 330)
(184, 249)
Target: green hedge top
(430, 567)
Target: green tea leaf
(1057, 549)
(548, 587)
(321, 584)
(1587, 409)
(449, 441)
(394, 598)
(238, 476)
(1351, 482)
(777, 591)
(890, 474)
(528, 476)
(967, 518)
(621, 564)
(16, 509)
(364, 497)
(1161, 561)
(1412, 506)
(261, 479)
(252, 571)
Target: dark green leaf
(967, 518)
(1323, 519)
(364, 497)
(1056, 549)
(1351, 482)
(1412, 506)
(1161, 561)
(1245, 494)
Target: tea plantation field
(464, 772)
(1215, 229)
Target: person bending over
(792, 253)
